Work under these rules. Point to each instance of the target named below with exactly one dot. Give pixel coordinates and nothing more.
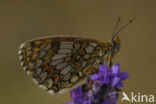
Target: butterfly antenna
(130, 21)
(116, 25)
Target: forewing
(59, 62)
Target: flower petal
(94, 77)
(114, 81)
(113, 95)
(107, 81)
(103, 69)
(123, 75)
(120, 85)
(87, 102)
(115, 68)
(77, 95)
(101, 82)
(100, 68)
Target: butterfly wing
(60, 62)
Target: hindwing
(60, 62)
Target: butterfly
(57, 63)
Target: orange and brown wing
(60, 62)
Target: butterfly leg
(109, 60)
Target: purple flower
(77, 95)
(116, 76)
(101, 77)
(111, 77)
(105, 87)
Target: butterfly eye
(115, 45)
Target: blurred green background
(21, 20)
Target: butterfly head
(115, 43)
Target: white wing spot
(84, 63)
(20, 57)
(67, 76)
(43, 87)
(35, 81)
(22, 63)
(48, 47)
(78, 57)
(20, 51)
(38, 71)
(100, 52)
(29, 72)
(56, 62)
(49, 83)
(22, 45)
(58, 56)
(51, 92)
(86, 56)
(38, 62)
(59, 66)
(43, 76)
(89, 49)
(64, 51)
(24, 67)
(66, 45)
(74, 78)
(93, 44)
(77, 45)
(31, 65)
(66, 69)
(42, 54)
(80, 73)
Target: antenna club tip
(131, 20)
